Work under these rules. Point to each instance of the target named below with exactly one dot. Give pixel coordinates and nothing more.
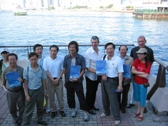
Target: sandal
(136, 114)
(140, 118)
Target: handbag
(146, 84)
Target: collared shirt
(34, 77)
(91, 57)
(114, 66)
(80, 60)
(53, 66)
(19, 69)
(40, 60)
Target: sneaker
(73, 113)
(92, 112)
(117, 122)
(103, 115)
(86, 117)
(42, 123)
(145, 110)
(47, 110)
(62, 113)
(94, 108)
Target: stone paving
(127, 119)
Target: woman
(140, 68)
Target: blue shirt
(34, 77)
(80, 60)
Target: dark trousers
(91, 88)
(15, 99)
(77, 87)
(109, 97)
(124, 93)
(37, 97)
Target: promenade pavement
(127, 119)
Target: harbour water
(61, 27)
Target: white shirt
(114, 66)
(53, 66)
(91, 56)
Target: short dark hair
(121, 46)
(74, 43)
(109, 43)
(55, 46)
(37, 45)
(12, 54)
(31, 54)
(95, 38)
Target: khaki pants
(58, 89)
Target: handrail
(161, 63)
(13, 46)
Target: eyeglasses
(141, 53)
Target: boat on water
(20, 12)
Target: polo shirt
(53, 66)
(91, 57)
(113, 66)
(19, 69)
(34, 77)
(140, 66)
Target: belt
(114, 78)
(15, 90)
(56, 77)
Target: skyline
(61, 4)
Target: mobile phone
(116, 91)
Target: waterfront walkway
(127, 119)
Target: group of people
(43, 78)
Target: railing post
(160, 81)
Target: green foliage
(51, 8)
(80, 7)
(101, 7)
(129, 7)
(110, 6)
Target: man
(38, 49)
(75, 84)
(127, 62)
(35, 89)
(3, 62)
(53, 65)
(112, 82)
(15, 94)
(91, 55)
(141, 44)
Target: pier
(154, 12)
(152, 118)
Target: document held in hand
(127, 72)
(12, 79)
(100, 67)
(75, 71)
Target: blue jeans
(140, 93)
